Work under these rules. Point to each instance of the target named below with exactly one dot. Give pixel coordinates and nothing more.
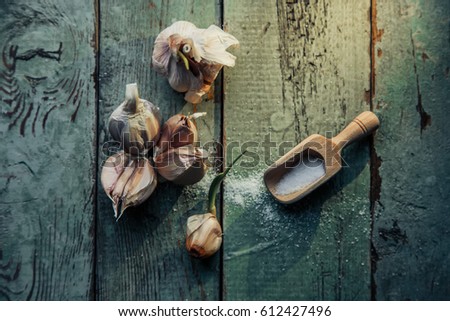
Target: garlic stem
(197, 115)
(214, 188)
(185, 61)
(131, 91)
(132, 96)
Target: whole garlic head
(203, 235)
(136, 123)
(191, 57)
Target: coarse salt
(307, 171)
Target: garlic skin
(136, 123)
(185, 165)
(112, 170)
(191, 57)
(179, 130)
(127, 181)
(203, 235)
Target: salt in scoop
(314, 161)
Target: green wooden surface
(143, 257)
(47, 129)
(298, 81)
(411, 228)
(378, 230)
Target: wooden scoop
(326, 151)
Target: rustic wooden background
(380, 230)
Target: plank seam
(93, 290)
(375, 180)
(222, 155)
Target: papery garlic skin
(191, 57)
(136, 123)
(128, 181)
(185, 165)
(203, 235)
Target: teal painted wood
(303, 68)
(411, 233)
(47, 155)
(142, 257)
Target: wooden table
(379, 230)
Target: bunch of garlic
(203, 232)
(191, 57)
(128, 177)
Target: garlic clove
(168, 166)
(184, 165)
(135, 123)
(118, 191)
(192, 175)
(140, 185)
(112, 169)
(179, 130)
(203, 235)
(127, 181)
(209, 73)
(197, 168)
(182, 80)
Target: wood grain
(411, 234)
(142, 257)
(47, 155)
(303, 68)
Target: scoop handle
(361, 126)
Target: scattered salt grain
(242, 190)
(306, 172)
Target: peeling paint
(377, 34)
(394, 234)
(379, 52)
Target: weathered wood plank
(303, 68)
(142, 257)
(411, 233)
(47, 155)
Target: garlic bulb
(203, 232)
(178, 131)
(203, 235)
(184, 165)
(191, 57)
(135, 123)
(127, 181)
